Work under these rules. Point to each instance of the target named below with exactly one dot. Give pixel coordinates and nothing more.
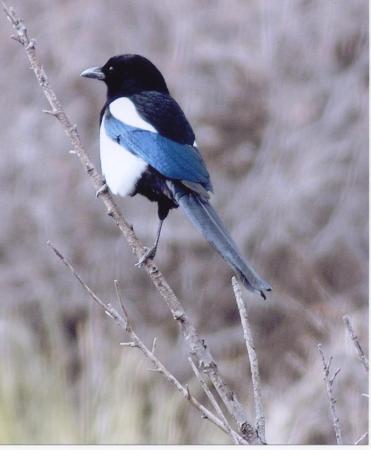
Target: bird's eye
(110, 68)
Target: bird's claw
(148, 255)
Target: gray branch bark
(329, 381)
(197, 346)
(254, 365)
(356, 343)
(213, 400)
(122, 320)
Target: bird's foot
(102, 189)
(149, 255)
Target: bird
(148, 147)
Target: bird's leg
(103, 188)
(151, 252)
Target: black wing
(165, 115)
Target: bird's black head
(126, 75)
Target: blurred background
(277, 93)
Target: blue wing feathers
(171, 159)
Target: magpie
(148, 147)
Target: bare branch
(124, 323)
(356, 343)
(329, 381)
(254, 365)
(197, 346)
(213, 400)
(359, 440)
(77, 276)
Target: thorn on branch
(155, 370)
(52, 112)
(153, 270)
(231, 396)
(31, 44)
(16, 38)
(102, 190)
(89, 169)
(43, 80)
(207, 366)
(334, 376)
(188, 392)
(17, 24)
(179, 315)
(109, 314)
(128, 344)
(56, 251)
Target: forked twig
(212, 399)
(123, 322)
(329, 381)
(356, 343)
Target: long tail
(205, 219)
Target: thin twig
(197, 346)
(212, 399)
(356, 343)
(254, 365)
(359, 440)
(329, 381)
(123, 322)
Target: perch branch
(197, 346)
(122, 320)
(259, 412)
(356, 343)
(329, 381)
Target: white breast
(121, 168)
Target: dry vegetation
(278, 95)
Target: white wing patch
(124, 110)
(121, 168)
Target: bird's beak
(93, 72)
